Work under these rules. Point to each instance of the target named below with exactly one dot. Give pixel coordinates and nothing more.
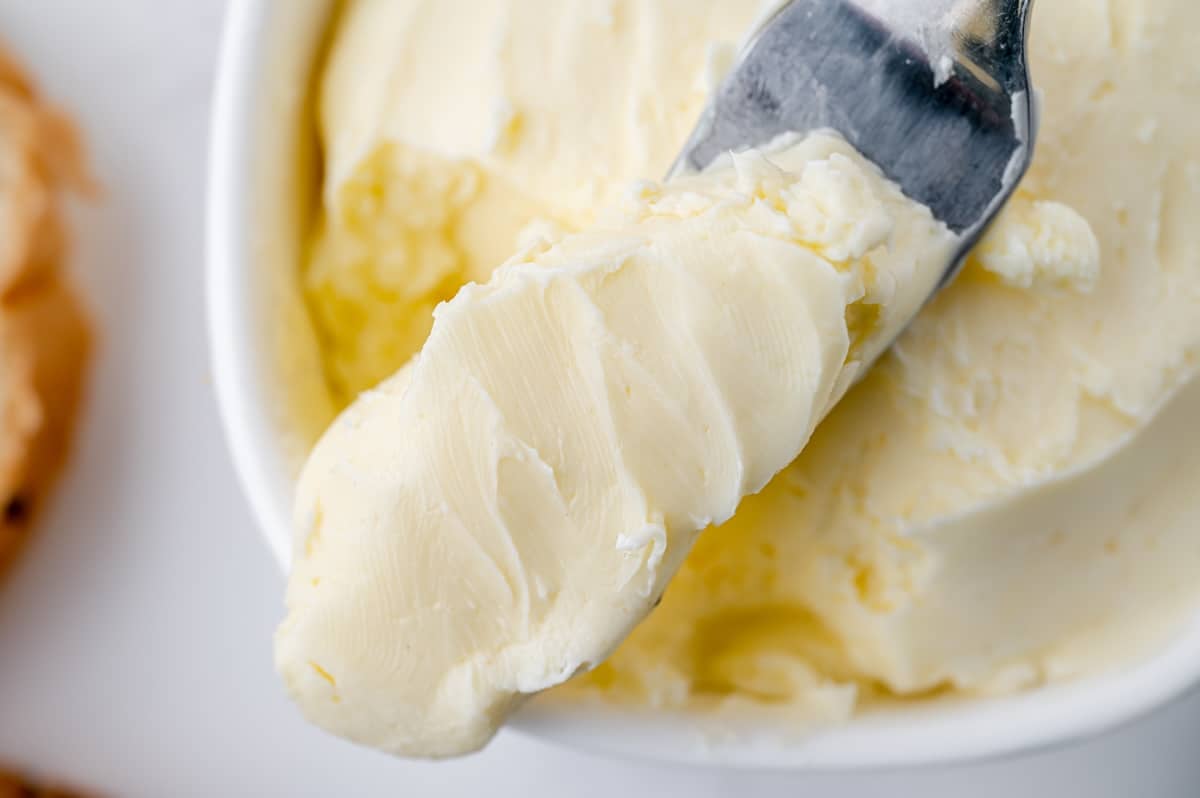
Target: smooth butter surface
(499, 515)
(877, 561)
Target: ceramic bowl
(261, 182)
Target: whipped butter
(1000, 503)
(1005, 499)
(455, 129)
(498, 516)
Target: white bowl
(259, 195)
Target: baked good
(14, 786)
(44, 332)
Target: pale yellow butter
(499, 515)
(969, 516)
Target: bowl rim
(973, 729)
(241, 394)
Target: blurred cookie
(44, 334)
(13, 786)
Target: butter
(499, 515)
(446, 140)
(1002, 501)
(1042, 244)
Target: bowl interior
(274, 404)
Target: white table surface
(135, 653)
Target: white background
(135, 635)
